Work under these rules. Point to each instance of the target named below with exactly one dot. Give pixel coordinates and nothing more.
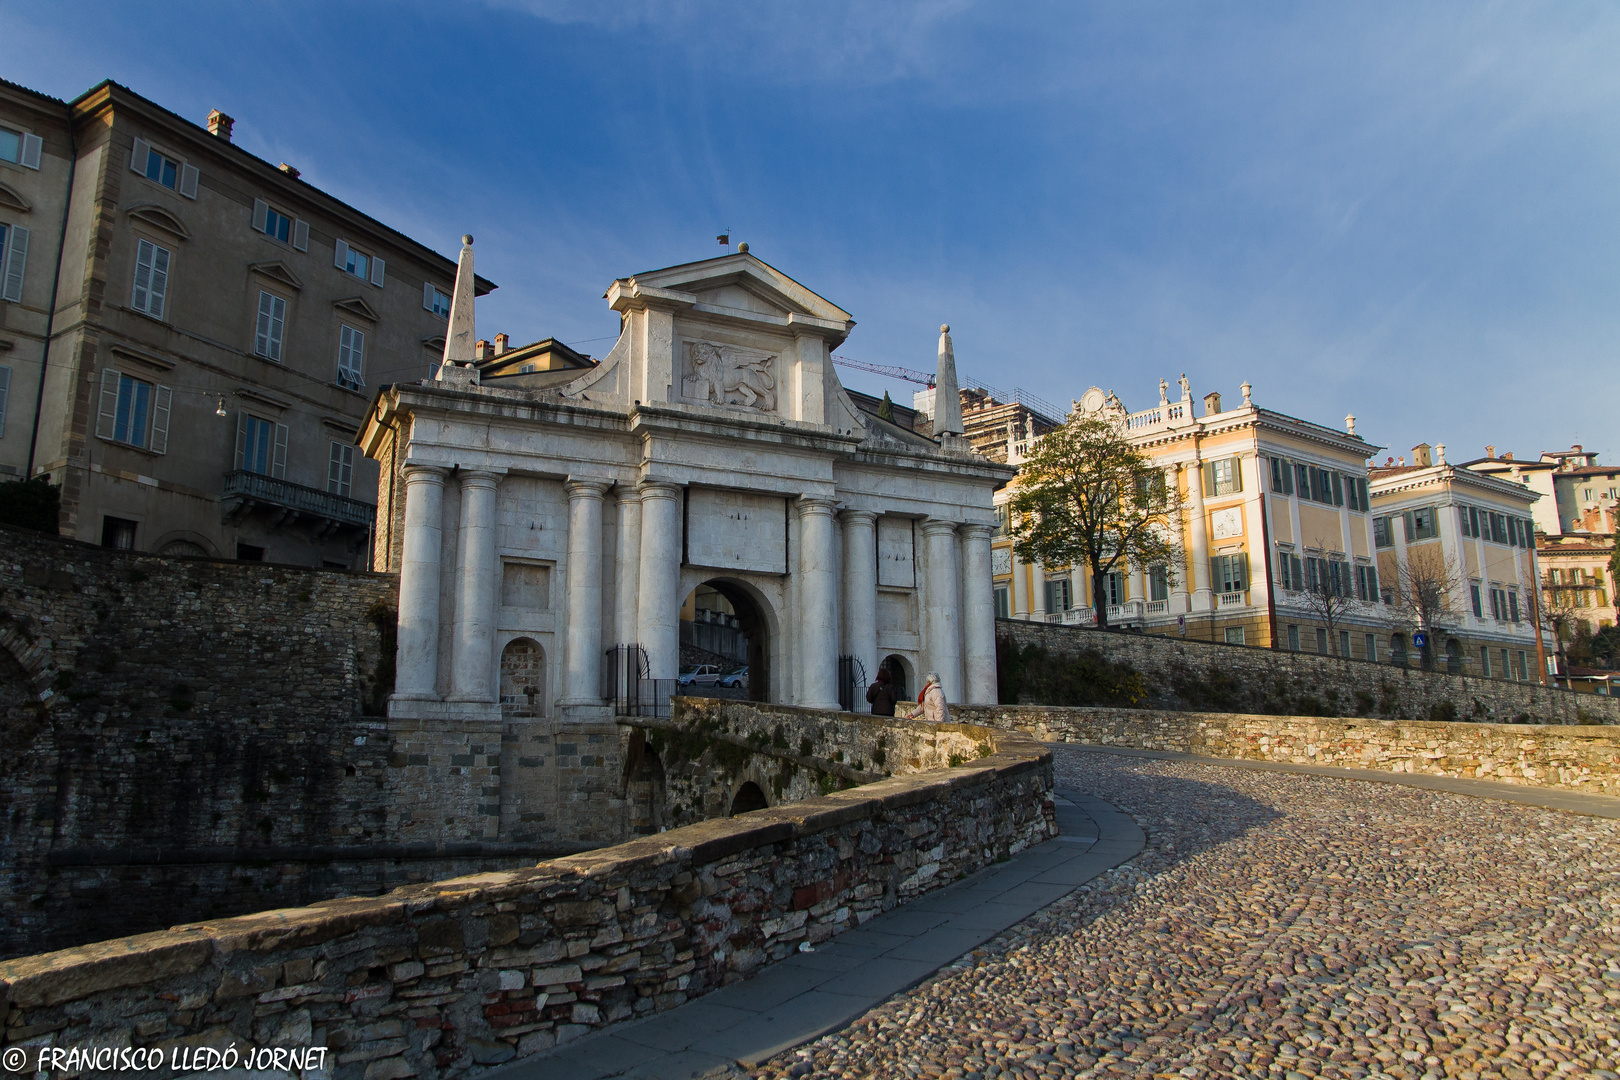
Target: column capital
(933, 526)
(479, 478)
(974, 530)
(419, 474)
(659, 489)
(816, 504)
(627, 493)
(586, 487)
(858, 517)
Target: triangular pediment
(742, 282)
(12, 200)
(277, 270)
(158, 217)
(355, 305)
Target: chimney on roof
(481, 349)
(1212, 402)
(219, 125)
(1420, 455)
(1576, 447)
(1490, 451)
(502, 343)
(288, 169)
(1507, 455)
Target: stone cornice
(1447, 478)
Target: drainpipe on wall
(56, 283)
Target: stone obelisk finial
(947, 393)
(462, 334)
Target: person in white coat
(931, 702)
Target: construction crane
(1043, 409)
(922, 378)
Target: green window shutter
(1209, 478)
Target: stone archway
(750, 613)
(901, 677)
(523, 680)
(750, 796)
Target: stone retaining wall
(1202, 676)
(432, 980)
(1576, 758)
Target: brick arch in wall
(34, 667)
(523, 679)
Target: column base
(1203, 600)
(433, 709)
(593, 713)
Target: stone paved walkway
(807, 994)
(1280, 922)
(1283, 925)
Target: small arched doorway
(523, 680)
(749, 797)
(899, 676)
(725, 642)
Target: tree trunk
(1099, 599)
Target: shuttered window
(272, 322)
(366, 267)
(1230, 573)
(133, 411)
(351, 357)
(261, 446)
(340, 469)
(279, 225)
(151, 279)
(13, 261)
(435, 300)
(1222, 477)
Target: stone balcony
(286, 502)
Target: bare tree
(1088, 497)
(1426, 582)
(1330, 599)
(1560, 602)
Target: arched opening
(1397, 649)
(748, 797)
(644, 785)
(899, 676)
(724, 643)
(1454, 663)
(523, 680)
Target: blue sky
(1406, 211)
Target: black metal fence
(627, 688)
(851, 682)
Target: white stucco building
(538, 521)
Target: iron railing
(244, 490)
(851, 681)
(627, 688)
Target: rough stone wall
(1579, 758)
(697, 760)
(431, 980)
(1206, 676)
(204, 745)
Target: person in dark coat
(880, 695)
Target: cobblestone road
(1285, 926)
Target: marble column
(860, 592)
(582, 675)
(818, 605)
(628, 576)
(942, 630)
(1139, 589)
(416, 660)
(1020, 588)
(1203, 597)
(659, 608)
(978, 617)
(1256, 481)
(1037, 591)
(478, 583)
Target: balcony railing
(1233, 599)
(245, 491)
